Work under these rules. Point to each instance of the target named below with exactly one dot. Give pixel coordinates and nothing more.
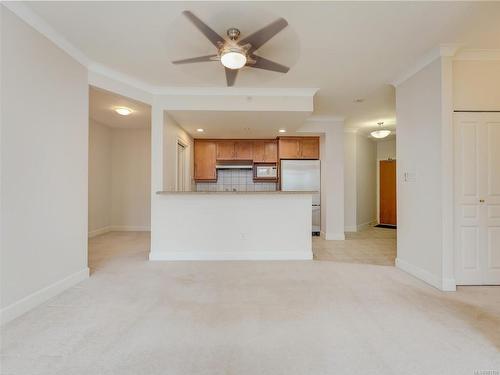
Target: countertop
(232, 192)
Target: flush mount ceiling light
(380, 133)
(200, 130)
(282, 131)
(124, 111)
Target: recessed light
(282, 130)
(124, 111)
(200, 130)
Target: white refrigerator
(304, 175)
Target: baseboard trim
(97, 232)
(449, 285)
(118, 228)
(446, 285)
(230, 255)
(332, 236)
(360, 227)
(129, 228)
(27, 303)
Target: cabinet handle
(481, 201)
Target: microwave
(265, 171)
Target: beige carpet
(309, 318)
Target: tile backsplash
(235, 180)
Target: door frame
(186, 169)
(378, 185)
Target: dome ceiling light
(124, 111)
(234, 53)
(380, 133)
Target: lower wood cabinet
(205, 153)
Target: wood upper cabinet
(205, 160)
(243, 150)
(265, 151)
(309, 148)
(289, 148)
(299, 148)
(225, 150)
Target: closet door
(477, 198)
(492, 199)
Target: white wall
(131, 179)
(476, 85)
(386, 149)
(173, 133)
(366, 178)
(419, 145)
(119, 178)
(99, 177)
(44, 159)
(350, 220)
(360, 177)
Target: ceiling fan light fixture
(233, 59)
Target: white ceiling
(102, 105)
(348, 49)
(239, 124)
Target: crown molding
(322, 119)
(444, 50)
(39, 24)
(235, 91)
(478, 55)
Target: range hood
(234, 165)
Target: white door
(477, 198)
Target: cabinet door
(225, 150)
(243, 150)
(270, 152)
(259, 151)
(204, 160)
(309, 148)
(289, 148)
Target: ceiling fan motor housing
(233, 33)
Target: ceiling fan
(236, 53)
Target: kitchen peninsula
(235, 214)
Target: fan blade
(258, 38)
(211, 35)
(196, 59)
(231, 76)
(262, 63)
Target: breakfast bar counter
(229, 225)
